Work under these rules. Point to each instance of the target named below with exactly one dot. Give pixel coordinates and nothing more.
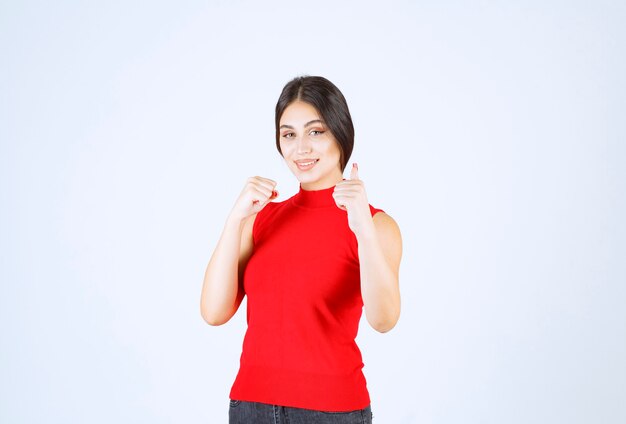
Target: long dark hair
(324, 96)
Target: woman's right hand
(257, 193)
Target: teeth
(307, 163)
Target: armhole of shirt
(258, 221)
(374, 210)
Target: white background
(493, 132)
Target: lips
(306, 164)
(305, 161)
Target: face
(304, 138)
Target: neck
(313, 199)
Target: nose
(304, 145)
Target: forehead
(298, 113)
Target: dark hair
(324, 96)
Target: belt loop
(276, 418)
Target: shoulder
(389, 236)
(269, 207)
(384, 222)
(265, 217)
(388, 231)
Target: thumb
(354, 173)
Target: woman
(309, 266)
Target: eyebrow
(315, 121)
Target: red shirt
(304, 307)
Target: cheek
(333, 149)
(287, 150)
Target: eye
(287, 135)
(318, 132)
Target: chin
(305, 178)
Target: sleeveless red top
(304, 305)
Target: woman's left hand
(350, 196)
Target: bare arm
(222, 288)
(380, 251)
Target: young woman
(309, 265)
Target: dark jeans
(244, 412)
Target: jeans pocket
(367, 410)
(361, 416)
(341, 412)
(234, 403)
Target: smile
(306, 165)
